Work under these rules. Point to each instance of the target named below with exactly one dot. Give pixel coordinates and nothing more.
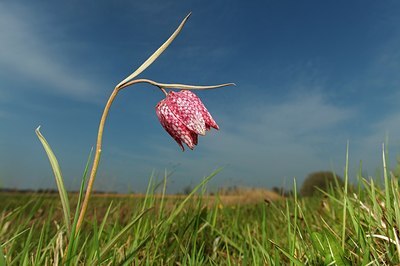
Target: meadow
(350, 225)
(354, 224)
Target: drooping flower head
(184, 117)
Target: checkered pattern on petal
(184, 117)
(209, 121)
(187, 111)
(174, 126)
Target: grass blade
(59, 179)
(14, 238)
(346, 181)
(105, 218)
(2, 258)
(292, 259)
(179, 208)
(121, 233)
(74, 234)
(130, 256)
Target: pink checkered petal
(187, 111)
(164, 122)
(194, 138)
(174, 126)
(209, 121)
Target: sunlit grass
(193, 230)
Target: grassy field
(357, 226)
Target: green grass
(355, 225)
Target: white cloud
(262, 145)
(369, 148)
(25, 53)
(290, 131)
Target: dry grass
(238, 196)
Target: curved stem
(96, 159)
(175, 86)
(101, 129)
(164, 91)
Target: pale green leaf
(2, 258)
(155, 55)
(58, 177)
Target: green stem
(101, 129)
(98, 151)
(96, 160)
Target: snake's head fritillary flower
(184, 117)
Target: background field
(355, 225)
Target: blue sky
(310, 75)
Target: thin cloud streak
(270, 137)
(24, 53)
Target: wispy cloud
(289, 131)
(264, 143)
(369, 147)
(25, 53)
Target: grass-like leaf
(59, 179)
(156, 54)
(292, 259)
(120, 234)
(183, 203)
(2, 258)
(74, 236)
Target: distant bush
(283, 192)
(187, 190)
(322, 180)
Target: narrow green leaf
(95, 246)
(104, 220)
(14, 238)
(131, 255)
(336, 250)
(74, 236)
(346, 182)
(387, 184)
(2, 258)
(156, 54)
(290, 257)
(318, 242)
(27, 246)
(59, 179)
(39, 245)
(183, 203)
(228, 242)
(121, 233)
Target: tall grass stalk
(346, 182)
